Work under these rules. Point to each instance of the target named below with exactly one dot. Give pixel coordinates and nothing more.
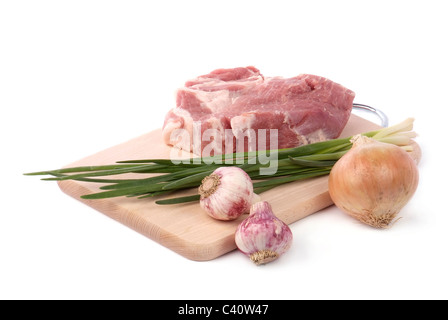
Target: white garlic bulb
(227, 193)
(262, 236)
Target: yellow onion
(373, 181)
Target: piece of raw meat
(304, 109)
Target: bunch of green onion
(293, 164)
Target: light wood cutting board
(185, 228)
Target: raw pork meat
(304, 109)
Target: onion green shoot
(304, 162)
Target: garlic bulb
(227, 193)
(373, 181)
(262, 236)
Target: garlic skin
(262, 236)
(373, 181)
(227, 193)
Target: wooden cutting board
(185, 228)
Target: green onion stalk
(293, 164)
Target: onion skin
(373, 181)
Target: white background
(77, 77)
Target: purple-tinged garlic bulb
(262, 236)
(227, 193)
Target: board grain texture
(185, 228)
